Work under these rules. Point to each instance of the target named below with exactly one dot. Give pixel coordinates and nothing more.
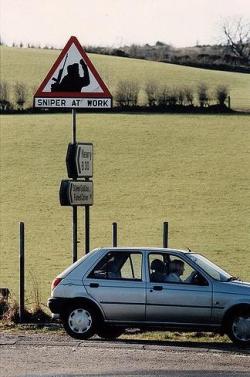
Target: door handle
(157, 288)
(94, 285)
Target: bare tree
(162, 96)
(221, 94)
(189, 95)
(4, 96)
(133, 92)
(203, 94)
(127, 93)
(151, 92)
(120, 96)
(21, 94)
(173, 97)
(237, 35)
(180, 96)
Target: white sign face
(74, 59)
(81, 193)
(73, 103)
(84, 160)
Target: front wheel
(239, 328)
(80, 321)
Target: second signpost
(75, 192)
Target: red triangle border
(73, 40)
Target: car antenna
(189, 250)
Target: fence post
(114, 234)
(165, 234)
(21, 271)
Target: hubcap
(80, 321)
(241, 328)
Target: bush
(162, 96)
(151, 93)
(203, 94)
(127, 93)
(21, 94)
(173, 97)
(221, 94)
(180, 96)
(4, 96)
(189, 95)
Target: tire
(239, 328)
(109, 332)
(80, 321)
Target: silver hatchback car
(111, 289)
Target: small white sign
(73, 103)
(81, 193)
(84, 160)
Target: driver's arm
(189, 279)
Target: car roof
(145, 248)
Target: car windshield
(210, 268)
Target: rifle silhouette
(58, 79)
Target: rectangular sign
(80, 193)
(84, 159)
(73, 103)
(76, 193)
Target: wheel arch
(233, 310)
(84, 300)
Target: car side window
(117, 265)
(132, 267)
(167, 268)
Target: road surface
(56, 355)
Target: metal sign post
(74, 208)
(74, 192)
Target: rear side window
(117, 265)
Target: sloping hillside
(31, 66)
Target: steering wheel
(195, 278)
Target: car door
(177, 302)
(117, 283)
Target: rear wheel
(109, 332)
(239, 328)
(80, 321)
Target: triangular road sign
(73, 82)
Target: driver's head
(177, 266)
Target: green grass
(32, 65)
(155, 336)
(192, 171)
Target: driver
(176, 269)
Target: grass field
(32, 65)
(192, 171)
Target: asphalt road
(61, 356)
